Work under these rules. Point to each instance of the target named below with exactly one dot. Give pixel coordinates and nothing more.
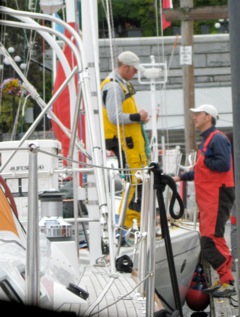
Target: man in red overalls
(214, 188)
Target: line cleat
(210, 290)
(226, 290)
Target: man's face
(202, 120)
(129, 72)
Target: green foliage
(208, 3)
(9, 108)
(130, 15)
(202, 3)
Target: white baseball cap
(208, 109)
(130, 59)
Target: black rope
(160, 183)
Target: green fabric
(146, 139)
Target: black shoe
(210, 290)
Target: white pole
(89, 35)
(32, 256)
(154, 116)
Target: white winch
(52, 223)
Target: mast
(89, 19)
(234, 29)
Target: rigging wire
(2, 40)
(159, 25)
(29, 42)
(30, 45)
(162, 92)
(111, 34)
(161, 56)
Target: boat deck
(109, 295)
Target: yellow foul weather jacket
(133, 145)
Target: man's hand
(176, 178)
(144, 115)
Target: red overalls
(214, 203)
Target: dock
(223, 307)
(219, 307)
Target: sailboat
(106, 279)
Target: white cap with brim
(131, 59)
(208, 109)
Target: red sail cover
(166, 4)
(8, 209)
(61, 106)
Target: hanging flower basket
(11, 86)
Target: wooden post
(188, 81)
(196, 14)
(187, 14)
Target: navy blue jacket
(218, 155)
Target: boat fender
(75, 289)
(124, 264)
(196, 299)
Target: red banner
(61, 106)
(166, 4)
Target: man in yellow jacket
(123, 126)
